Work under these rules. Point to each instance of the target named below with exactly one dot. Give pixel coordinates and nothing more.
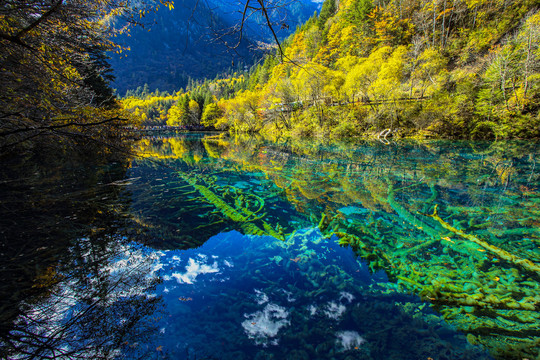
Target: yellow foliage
(388, 81)
(346, 63)
(297, 49)
(362, 75)
(193, 106)
(174, 116)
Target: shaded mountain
(285, 16)
(191, 41)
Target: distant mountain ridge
(184, 43)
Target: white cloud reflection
(194, 269)
(349, 340)
(347, 296)
(334, 310)
(263, 326)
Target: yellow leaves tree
(389, 28)
(242, 112)
(428, 72)
(297, 50)
(194, 112)
(330, 52)
(175, 116)
(317, 86)
(211, 114)
(54, 71)
(388, 83)
(360, 77)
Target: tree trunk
(434, 21)
(443, 20)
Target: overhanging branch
(54, 127)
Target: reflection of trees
(378, 200)
(321, 178)
(90, 314)
(184, 197)
(61, 229)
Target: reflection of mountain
(183, 44)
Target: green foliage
(358, 12)
(328, 9)
(211, 114)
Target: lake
(205, 246)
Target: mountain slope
(440, 68)
(191, 41)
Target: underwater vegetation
(455, 223)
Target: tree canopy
(55, 77)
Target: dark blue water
(255, 297)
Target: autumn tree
(55, 78)
(210, 115)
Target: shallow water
(228, 248)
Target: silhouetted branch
(53, 127)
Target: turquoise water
(210, 247)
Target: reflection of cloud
(347, 296)
(334, 310)
(312, 309)
(194, 269)
(265, 324)
(228, 263)
(289, 294)
(349, 339)
(260, 297)
(116, 295)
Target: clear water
(228, 248)
(255, 297)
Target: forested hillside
(439, 68)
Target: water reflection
(101, 309)
(253, 297)
(272, 250)
(72, 285)
(475, 259)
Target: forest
(428, 69)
